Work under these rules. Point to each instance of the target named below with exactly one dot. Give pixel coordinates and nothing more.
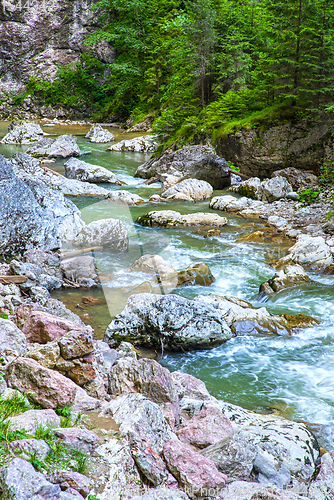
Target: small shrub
(308, 196)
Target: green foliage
(93, 497)
(14, 405)
(4, 315)
(327, 172)
(308, 196)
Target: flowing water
(290, 375)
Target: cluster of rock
(171, 438)
(190, 162)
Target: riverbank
(115, 379)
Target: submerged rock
(86, 172)
(195, 162)
(62, 147)
(190, 190)
(244, 319)
(23, 132)
(153, 264)
(172, 321)
(145, 144)
(170, 218)
(195, 274)
(108, 233)
(99, 134)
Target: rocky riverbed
(159, 433)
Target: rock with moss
(196, 274)
(175, 322)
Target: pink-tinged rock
(81, 373)
(42, 327)
(148, 462)
(70, 479)
(207, 427)
(78, 439)
(197, 475)
(47, 388)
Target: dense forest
(203, 67)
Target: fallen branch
(6, 280)
(68, 254)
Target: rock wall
(258, 152)
(38, 36)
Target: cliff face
(36, 36)
(258, 152)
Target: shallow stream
(293, 376)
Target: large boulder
(170, 218)
(42, 327)
(198, 273)
(43, 185)
(86, 172)
(47, 388)
(174, 322)
(62, 147)
(243, 206)
(145, 144)
(197, 475)
(11, 338)
(194, 162)
(322, 488)
(24, 223)
(80, 269)
(108, 233)
(99, 134)
(77, 439)
(309, 251)
(22, 132)
(189, 190)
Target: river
(292, 376)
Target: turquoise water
(293, 375)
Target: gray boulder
(139, 419)
(22, 132)
(195, 162)
(309, 251)
(298, 179)
(268, 190)
(62, 147)
(11, 338)
(125, 197)
(31, 419)
(24, 223)
(20, 481)
(99, 134)
(189, 190)
(170, 218)
(82, 171)
(172, 321)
